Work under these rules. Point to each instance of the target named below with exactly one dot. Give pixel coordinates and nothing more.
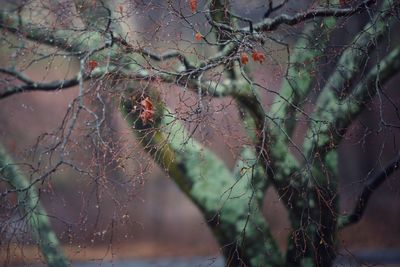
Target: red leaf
(92, 64)
(244, 58)
(258, 56)
(147, 104)
(148, 110)
(193, 5)
(146, 116)
(198, 36)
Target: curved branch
(369, 188)
(31, 85)
(19, 75)
(272, 24)
(158, 57)
(271, 9)
(208, 87)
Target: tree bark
(33, 211)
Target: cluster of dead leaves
(257, 57)
(147, 113)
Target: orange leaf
(244, 58)
(193, 5)
(261, 57)
(148, 110)
(254, 55)
(92, 64)
(121, 9)
(147, 104)
(258, 56)
(146, 116)
(198, 36)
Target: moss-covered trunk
(32, 211)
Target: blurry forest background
(136, 211)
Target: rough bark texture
(227, 202)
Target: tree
(324, 88)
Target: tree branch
(369, 188)
(329, 116)
(359, 50)
(68, 40)
(29, 202)
(272, 24)
(367, 88)
(155, 56)
(272, 151)
(205, 179)
(336, 116)
(300, 73)
(31, 86)
(271, 9)
(249, 167)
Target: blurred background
(125, 207)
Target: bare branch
(369, 188)
(68, 40)
(359, 50)
(336, 117)
(33, 211)
(272, 24)
(272, 8)
(158, 57)
(31, 85)
(298, 81)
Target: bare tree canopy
(282, 84)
